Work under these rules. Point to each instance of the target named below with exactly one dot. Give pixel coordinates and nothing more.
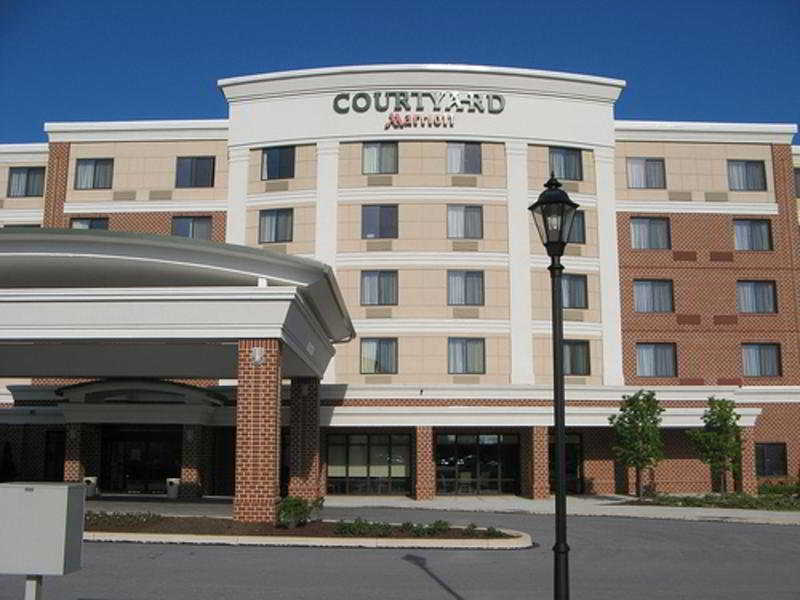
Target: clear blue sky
(683, 60)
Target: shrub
(471, 528)
(293, 511)
(491, 532)
(784, 489)
(438, 527)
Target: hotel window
(655, 360)
(94, 173)
(761, 360)
(195, 228)
(464, 222)
(275, 225)
(650, 233)
(466, 355)
(646, 173)
(652, 296)
(752, 234)
(465, 288)
(464, 157)
(378, 287)
(573, 291)
(195, 171)
(576, 357)
(373, 463)
(797, 183)
(378, 355)
(25, 181)
(577, 233)
(755, 296)
(746, 175)
(277, 162)
(379, 158)
(378, 221)
(89, 223)
(566, 163)
(771, 460)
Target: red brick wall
(158, 223)
(424, 465)
(534, 462)
(781, 423)
(56, 189)
(305, 479)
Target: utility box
(41, 528)
(173, 487)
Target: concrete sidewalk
(596, 506)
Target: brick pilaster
(82, 452)
(258, 432)
(194, 462)
(534, 462)
(749, 483)
(56, 188)
(425, 467)
(305, 471)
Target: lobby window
(576, 357)
(771, 460)
(378, 221)
(465, 288)
(89, 223)
(797, 183)
(196, 228)
(275, 225)
(378, 355)
(378, 287)
(577, 234)
(650, 233)
(466, 355)
(761, 360)
(379, 158)
(374, 463)
(94, 173)
(25, 181)
(646, 173)
(194, 171)
(464, 221)
(746, 175)
(752, 234)
(755, 296)
(566, 163)
(573, 291)
(277, 162)
(652, 295)
(464, 157)
(655, 360)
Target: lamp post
(553, 213)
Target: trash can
(91, 486)
(173, 485)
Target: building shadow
(422, 563)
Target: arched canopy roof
(139, 391)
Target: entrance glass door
(469, 464)
(139, 460)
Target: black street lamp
(553, 213)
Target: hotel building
(160, 317)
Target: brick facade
(194, 462)
(57, 180)
(424, 465)
(534, 462)
(156, 223)
(81, 451)
(306, 478)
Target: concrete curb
(521, 541)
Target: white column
(519, 268)
(327, 217)
(238, 174)
(610, 307)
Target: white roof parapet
(697, 131)
(158, 130)
(23, 153)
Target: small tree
(718, 442)
(637, 433)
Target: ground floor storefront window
(374, 463)
(139, 459)
(484, 463)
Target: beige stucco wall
(305, 172)
(694, 169)
(303, 221)
(539, 171)
(423, 164)
(543, 362)
(540, 298)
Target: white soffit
(692, 131)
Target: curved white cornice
(282, 198)
(717, 208)
(23, 153)
(138, 131)
(421, 194)
(145, 206)
(429, 260)
(691, 131)
(583, 200)
(578, 264)
(468, 327)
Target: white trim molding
(35, 154)
(579, 264)
(429, 260)
(24, 216)
(429, 327)
(145, 206)
(139, 131)
(692, 131)
(425, 195)
(717, 208)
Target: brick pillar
(304, 461)
(749, 482)
(74, 467)
(193, 462)
(425, 469)
(56, 189)
(258, 431)
(534, 463)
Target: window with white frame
(466, 355)
(577, 232)
(465, 288)
(746, 175)
(378, 355)
(277, 162)
(275, 225)
(378, 287)
(752, 234)
(378, 221)
(464, 221)
(761, 360)
(379, 158)
(655, 360)
(464, 157)
(755, 296)
(652, 295)
(94, 173)
(25, 181)
(573, 291)
(196, 228)
(646, 173)
(650, 233)
(576, 357)
(194, 171)
(566, 163)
